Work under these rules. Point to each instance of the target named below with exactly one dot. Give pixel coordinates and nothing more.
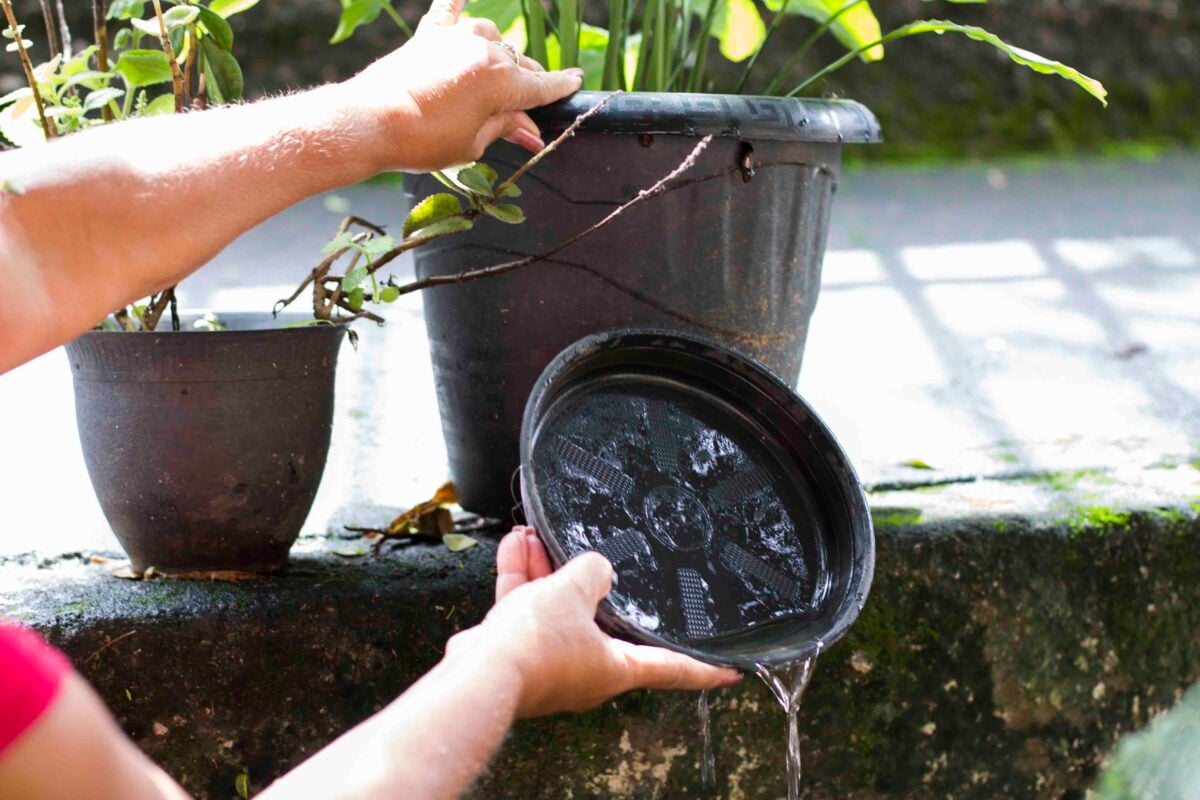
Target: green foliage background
(936, 96)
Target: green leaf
(389, 294)
(355, 298)
(8, 187)
(430, 211)
(855, 28)
(215, 26)
(227, 8)
(505, 212)
(163, 104)
(123, 39)
(487, 171)
(89, 79)
(223, 77)
(474, 179)
(457, 542)
(353, 279)
(126, 9)
(376, 246)
(450, 225)
(512, 190)
(148, 27)
(502, 12)
(738, 28)
(78, 63)
(100, 98)
(180, 16)
(593, 42)
(1037, 63)
(354, 14)
(917, 463)
(144, 67)
(242, 785)
(339, 242)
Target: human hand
(452, 90)
(544, 624)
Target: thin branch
(48, 131)
(176, 75)
(550, 148)
(64, 31)
(509, 266)
(99, 12)
(51, 29)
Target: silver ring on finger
(512, 51)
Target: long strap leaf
(535, 31)
(1024, 57)
(807, 44)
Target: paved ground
(983, 321)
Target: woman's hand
(452, 90)
(544, 624)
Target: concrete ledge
(1016, 630)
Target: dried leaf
(457, 542)
(444, 496)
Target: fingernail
(735, 679)
(575, 72)
(530, 141)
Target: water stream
(787, 682)
(708, 762)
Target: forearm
(147, 201)
(429, 744)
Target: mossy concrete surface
(1014, 634)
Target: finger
(659, 668)
(539, 559)
(524, 132)
(530, 63)
(512, 564)
(589, 574)
(482, 27)
(442, 12)
(535, 89)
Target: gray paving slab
(985, 321)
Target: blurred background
(936, 96)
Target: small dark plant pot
(732, 251)
(204, 448)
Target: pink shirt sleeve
(31, 673)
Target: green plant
(157, 62)
(663, 45)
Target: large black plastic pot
(205, 449)
(732, 251)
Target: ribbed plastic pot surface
(205, 449)
(731, 251)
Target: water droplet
(708, 761)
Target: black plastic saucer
(736, 525)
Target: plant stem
(547, 150)
(64, 31)
(51, 28)
(47, 130)
(658, 63)
(396, 18)
(640, 75)
(614, 54)
(176, 75)
(807, 44)
(568, 33)
(101, 25)
(509, 266)
(189, 63)
(741, 84)
(846, 59)
(535, 31)
(702, 45)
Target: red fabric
(31, 673)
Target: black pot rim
(278, 324)
(853, 594)
(787, 119)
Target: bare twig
(550, 148)
(107, 645)
(99, 12)
(509, 266)
(51, 28)
(47, 129)
(63, 30)
(176, 75)
(158, 304)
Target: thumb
(589, 575)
